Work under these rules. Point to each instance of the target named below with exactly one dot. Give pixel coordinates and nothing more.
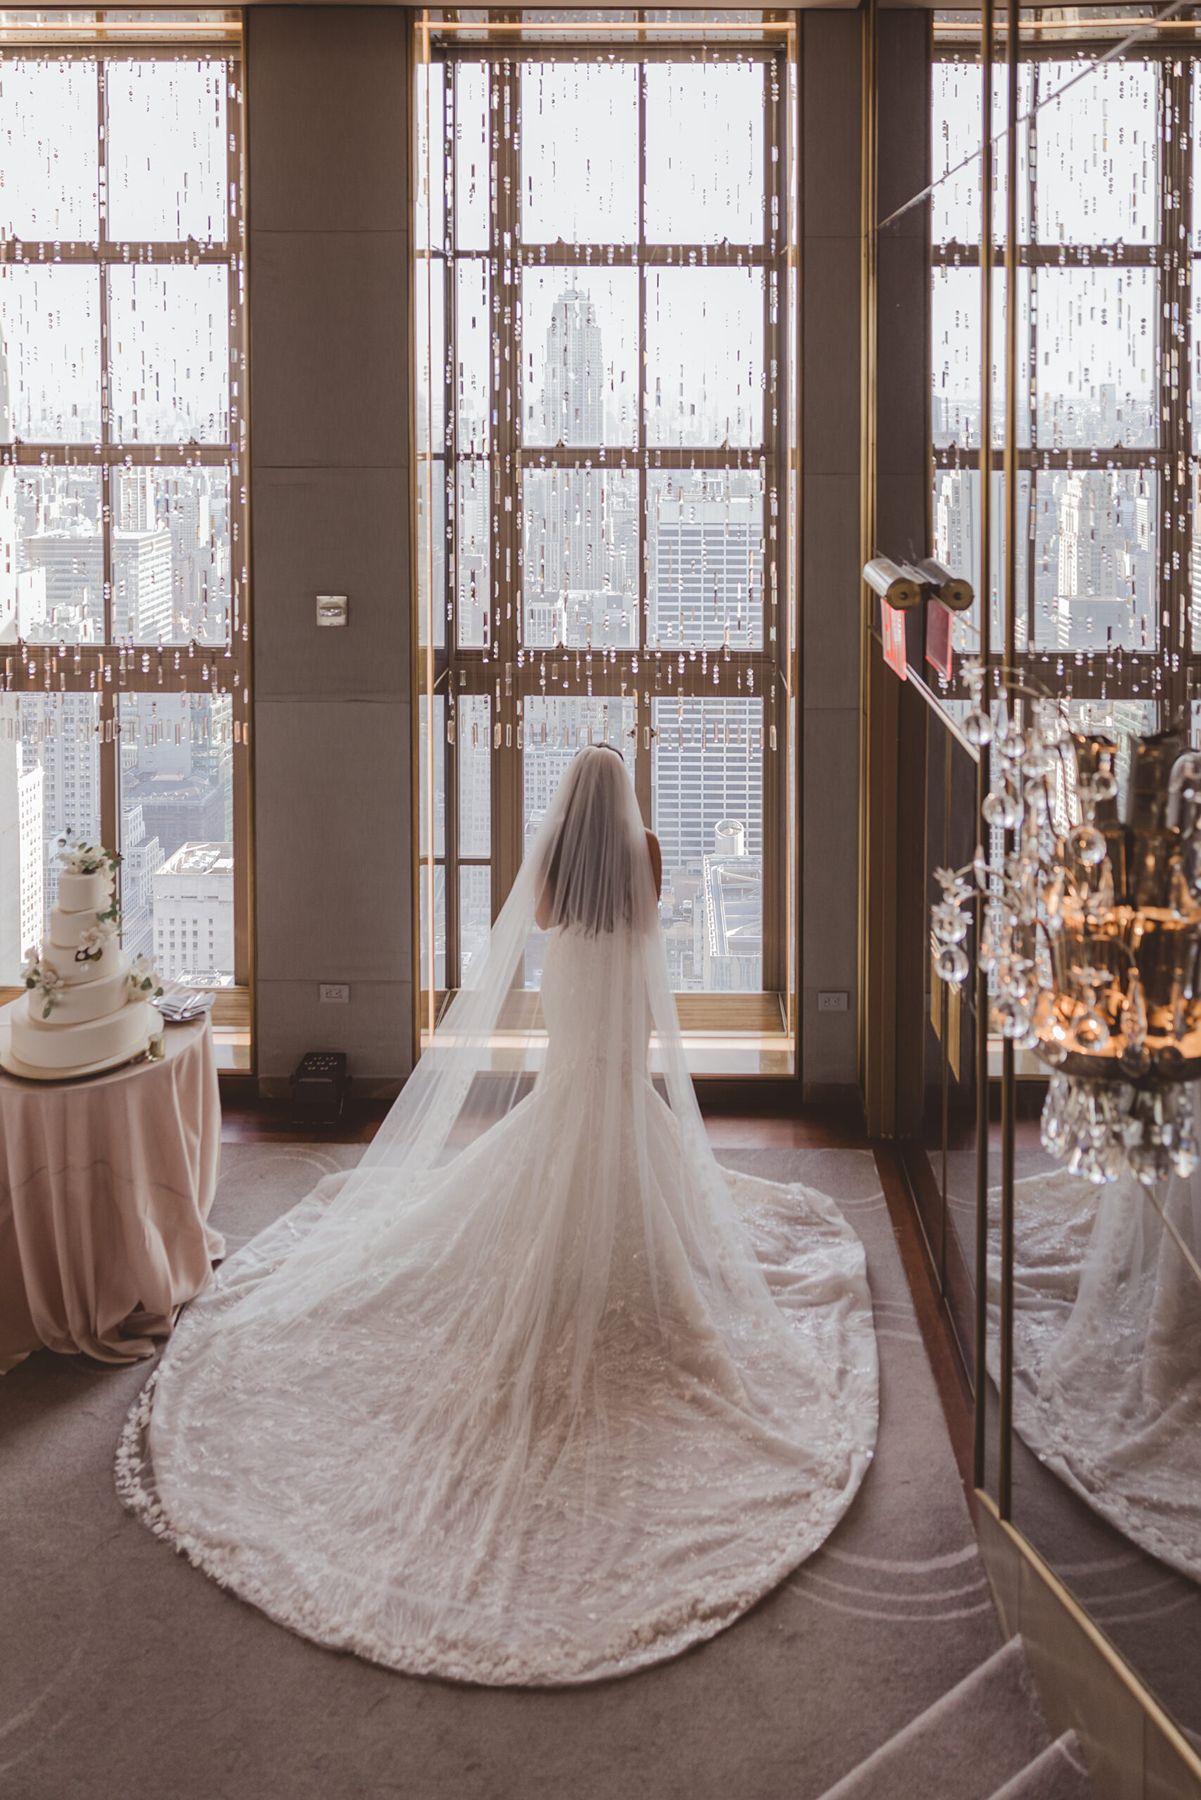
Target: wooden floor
(816, 1128)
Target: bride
(538, 1393)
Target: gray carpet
(128, 1673)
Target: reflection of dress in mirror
(539, 1392)
(1107, 1350)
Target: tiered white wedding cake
(87, 1006)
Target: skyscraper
(8, 515)
(573, 393)
(72, 563)
(580, 538)
(705, 538)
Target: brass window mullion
(109, 711)
(22, 454)
(773, 612)
(1175, 366)
(644, 710)
(449, 601)
(507, 525)
(1031, 398)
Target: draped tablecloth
(105, 1187)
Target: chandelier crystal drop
(1090, 933)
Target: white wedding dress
(1107, 1349)
(531, 1399)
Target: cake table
(105, 1188)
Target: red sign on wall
(893, 626)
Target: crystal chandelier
(1091, 931)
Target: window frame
(505, 671)
(1168, 673)
(108, 670)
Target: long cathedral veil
(529, 1395)
(590, 865)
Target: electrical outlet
(832, 1000)
(334, 990)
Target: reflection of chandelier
(1091, 933)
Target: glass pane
(472, 156)
(1196, 355)
(170, 354)
(50, 324)
(52, 518)
(955, 153)
(168, 151)
(955, 357)
(472, 562)
(432, 744)
(580, 557)
(473, 356)
(177, 869)
(579, 357)
(1096, 356)
(439, 885)
(430, 292)
(474, 744)
(49, 148)
(956, 520)
(171, 555)
(1098, 153)
(704, 356)
(707, 810)
(955, 89)
(432, 599)
(475, 916)
(429, 201)
(49, 783)
(704, 181)
(579, 147)
(705, 558)
(1094, 559)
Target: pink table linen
(105, 1187)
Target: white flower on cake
(95, 942)
(77, 858)
(144, 978)
(40, 977)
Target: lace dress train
(546, 1408)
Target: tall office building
(580, 527)
(707, 798)
(573, 393)
(8, 516)
(176, 768)
(1104, 565)
(705, 540)
(21, 852)
(194, 915)
(71, 559)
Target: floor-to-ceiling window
(1105, 557)
(606, 494)
(124, 650)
